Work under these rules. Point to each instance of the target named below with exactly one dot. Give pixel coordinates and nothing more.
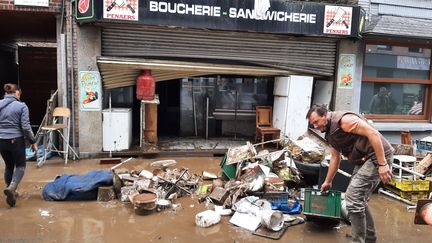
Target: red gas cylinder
(145, 89)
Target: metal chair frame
(61, 128)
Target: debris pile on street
(254, 189)
(156, 190)
(412, 172)
(261, 190)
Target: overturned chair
(48, 131)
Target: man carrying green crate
(351, 135)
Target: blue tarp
(77, 187)
(296, 208)
(30, 155)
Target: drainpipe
(63, 50)
(72, 73)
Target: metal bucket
(272, 220)
(145, 203)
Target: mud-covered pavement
(36, 220)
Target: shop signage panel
(84, 9)
(267, 16)
(121, 9)
(337, 20)
(36, 3)
(413, 63)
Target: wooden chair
(264, 123)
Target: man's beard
(326, 127)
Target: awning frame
(119, 72)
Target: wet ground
(36, 220)
(191, 145)
(199, 144)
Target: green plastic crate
(228, 170)
(318, 204)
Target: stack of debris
(425, 165)
(410, 189)
(306, 150)
(261, 190)
(423, 146)
(151, 191)
(412, 179)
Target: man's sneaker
(10, 197)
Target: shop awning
(120, 72)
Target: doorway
(169, 108)
(28, 57)
(37, 77)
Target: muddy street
(36, 220)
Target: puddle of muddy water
(36, 220)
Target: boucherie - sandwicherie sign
(241, 13)
(267, 16)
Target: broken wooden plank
(109, 161)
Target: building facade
(214, 62)
(396, 75)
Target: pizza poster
(346, 71)
(89, 91)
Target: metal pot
(145, 203)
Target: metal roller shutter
(300, 55)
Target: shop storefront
(397, 78)
(213, 61)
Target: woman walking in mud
(14, 128)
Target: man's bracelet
(383, 164)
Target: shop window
(392, 98)
(396, 83)
(248, 86)
(384, 47)
(399, 63)
(262, 86)
(120, 97)
(242, 92)
(415, 49)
